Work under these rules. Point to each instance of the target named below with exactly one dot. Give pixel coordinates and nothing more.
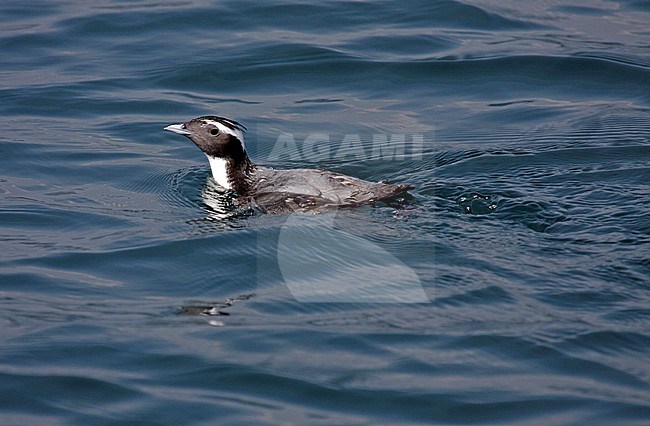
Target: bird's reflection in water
(219, 202)
(221, 207)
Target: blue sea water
(510, 287)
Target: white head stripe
(225, 129)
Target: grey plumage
(314, 190)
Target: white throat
(219, 168)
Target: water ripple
(127, 275)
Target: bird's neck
(233, 175)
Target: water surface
(511, 286)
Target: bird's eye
(214, 132)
